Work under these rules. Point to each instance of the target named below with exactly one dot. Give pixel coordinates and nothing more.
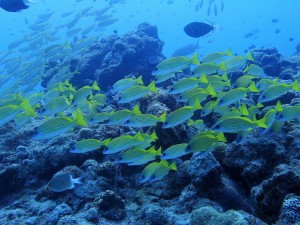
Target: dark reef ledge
(114, 57)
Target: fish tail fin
(203, 79)
(139, 136)
(262, 122)
(139, 80)
(221, 137)
(78, 180)
(78, 118)
(95, 86)
(151, 87)
(227, 83)
(197, 104)
(278, 106)
(158, 152)
(136, 109)
(25, 105)
(249, 56)
(252, 87)
(173, 166)
(105, 142)
(229, 52)
(191, 122)
(224, 77)
(223, 67)
(194, 59)
(153, 136)
(211, 91)
(163, 117)
(295, 86)
(244, 110)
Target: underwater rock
(115, 57)
(110, 205)
(210, 216)
(290, 211)
(204, 171)
(269, 60)
(155, 215)
(269, 195)
(254, 160)
(59, 211)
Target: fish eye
(119, 98)
(143, 176)
(280, 116)
(263, 97)
(221, 100)
(75, 105)
(127, 121)
(218, 127)
(166, 123)
(106, 148)
(92, 119)
(193, 73)
(188, 147)
(155, 69)
(152, 177)
(164, 154)
(43, 110)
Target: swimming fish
(175, 64)
(136, 157)
(122, 143)
(136, 92)
(174, 151)
(63, 182)
(144, 120)
(217, 57)
(60, 125)
(87, 145)
(186, 84)
(255, 70)
(146, 158)
(84, 92)
(120, 116)
(235, 94)
(9, 112)
(204, 141)
(162, 170)
(288, 113)
(181, 115)
(125, 83)
(197, 29)
(236, 124)
(275, 91)
(156, 171)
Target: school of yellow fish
(205, 87)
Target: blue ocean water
(236, 20)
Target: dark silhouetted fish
(197, 29)
(14, 5)
(291, 39)
(277, 31)
(222, 5)
(248, 35)
(216, 10)
(275, 21)
(201, 4)
(208, 11)
(186, 50)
